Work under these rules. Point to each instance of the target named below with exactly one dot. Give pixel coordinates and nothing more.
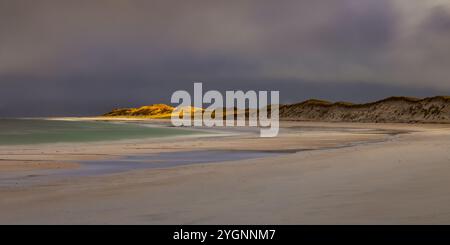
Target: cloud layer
(83, 57)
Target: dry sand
(395, 179)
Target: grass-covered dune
(392, 109)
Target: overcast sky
(69, 57)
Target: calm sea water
(36, 131)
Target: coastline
(383, 175)
(50, 156)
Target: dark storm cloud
(438, 21)
(85, 57)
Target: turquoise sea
(37, 131)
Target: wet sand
(331, 174)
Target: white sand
(404, 180)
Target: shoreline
(374, 183)
(66, 155)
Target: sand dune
(389, 110)
(393, 109)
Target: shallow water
(162, 160)
(37, 131)
(128, 163)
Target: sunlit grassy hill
(150, 111)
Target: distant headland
(390, 110)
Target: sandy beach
(322, 173)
